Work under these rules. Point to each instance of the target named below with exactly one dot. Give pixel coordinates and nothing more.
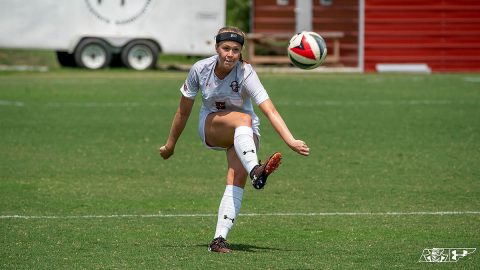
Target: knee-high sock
(245, 147)
(228, 210)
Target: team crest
(235, 87)
(220, 105)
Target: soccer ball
(307, 50)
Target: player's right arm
(189, 90)
(178, 125)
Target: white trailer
(89, 33)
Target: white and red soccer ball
(307, 50)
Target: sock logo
(226, 217)
(245, 152)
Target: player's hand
(166, 151)
(300, 147)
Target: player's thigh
(220, 127)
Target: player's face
(228, 53)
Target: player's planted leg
(246, 152)
(227, 213)
(228, 210)
(220, 245)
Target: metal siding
(445, 34)
(269, 17)
(342, 16)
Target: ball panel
(322, 47)
(307, 50)
(304, 48)
(302, 65)
(302, 59)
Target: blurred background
(361, 35)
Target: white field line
(378, 103)
(11, 103)
(475, 79)
(441, 213)
(310, 103)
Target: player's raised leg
(260, 173)
(226, 128)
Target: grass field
(82, 185)
(38, 59)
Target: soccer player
(227, 122)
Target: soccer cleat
(220, 245)
(260, 172)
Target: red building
(443, 34)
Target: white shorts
(201, 133)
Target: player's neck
(221, 72)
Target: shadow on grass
(247, 248)
(252, 248)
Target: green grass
(48, 58)
(28, 57)
(80, 143)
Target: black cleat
(220, 245)
(260, 172)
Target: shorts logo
(438, 255)
(234, 86)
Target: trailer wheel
(93, 53)
(66, 59)
(140, 55)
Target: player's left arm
(279, 125)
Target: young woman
(227, 122)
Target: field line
(440, 213)
(11, 103)
(315, 103)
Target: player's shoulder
(247, 70)
(205, 63)
(246, 66)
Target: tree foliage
(238, 14)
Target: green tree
(238, 14)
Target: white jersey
(234, 93)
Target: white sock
(245, 147)
(228, 210)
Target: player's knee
(244, 119)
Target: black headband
(231, 36)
